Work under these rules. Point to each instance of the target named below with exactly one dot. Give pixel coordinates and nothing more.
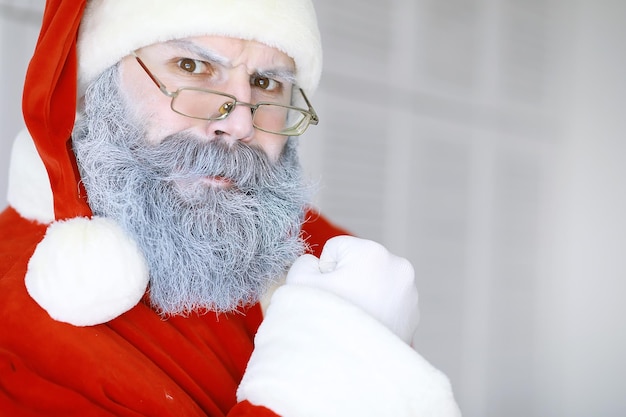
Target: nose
(238, 125)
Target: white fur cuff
(86, 271)
(317, 355)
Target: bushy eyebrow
(287, 75)
(203, 53)
(283, 73)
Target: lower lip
(219, 182)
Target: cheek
(156, 117)
(150, 108)
(272, 145)
(162, 122)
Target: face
(248, 70)
(216, 207)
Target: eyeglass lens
(203, 104)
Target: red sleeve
(316, 230)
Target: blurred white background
(483, 140)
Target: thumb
(336, 249)
(304, 270)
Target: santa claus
(158, 256)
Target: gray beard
(207, 248)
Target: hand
(366, 274)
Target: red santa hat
(108, 30)
(78, 40)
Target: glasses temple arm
(152, 76)
(314, 119)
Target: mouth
(206, 182)
(217, 181)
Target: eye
(265, 83)
(193, 66)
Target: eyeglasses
(204, 104)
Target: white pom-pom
(86, 271)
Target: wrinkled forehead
(227, 52)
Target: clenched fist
(366, 274)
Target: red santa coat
(311, 354)
(136, 364)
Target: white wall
(19, 27)
(441, 128)
(483, 140)
(580, 316)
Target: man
(148, 236)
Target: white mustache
(184, 158)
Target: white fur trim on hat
(29, 189)
(112, 29)
(318, 355)
(86, 271)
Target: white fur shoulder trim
(29, 189)
(317, 355)
(86, 271)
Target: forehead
(227, 51)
